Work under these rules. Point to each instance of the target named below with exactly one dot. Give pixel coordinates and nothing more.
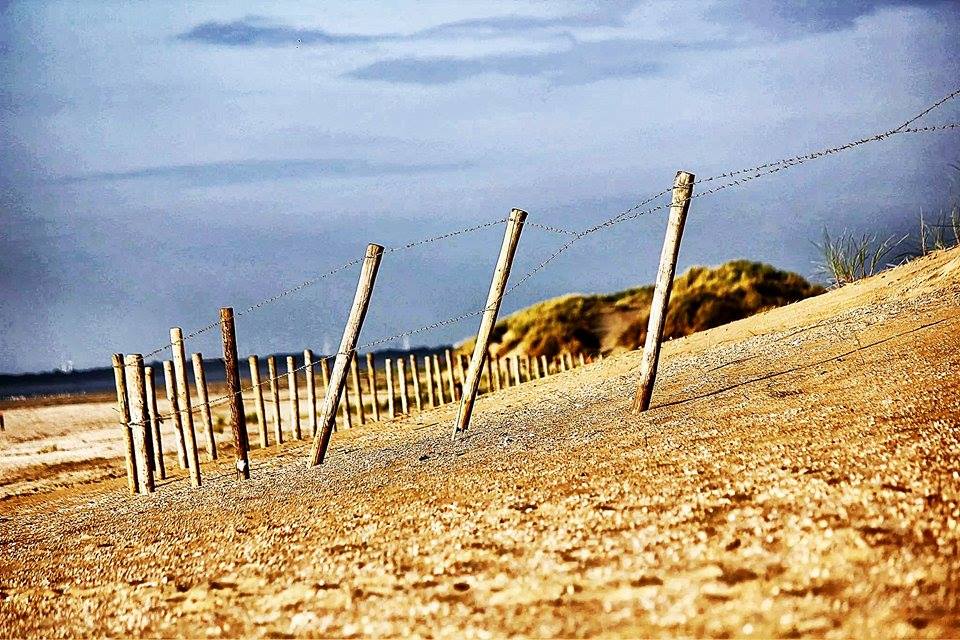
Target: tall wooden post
(415, 376)
(348, 343)
(257, 385)
(186, 411)
(140, 422)
(543, 366)
(200, 378)
(372, 385)
(402, 379)
(158, 462)
(123, 406)
(438, 378)
(498, 285)
(171, 383)
(682, 191)
(275, 399)
(346, 414)
(428, 377)
(391, 406)
(293, 397)
(355, 377)
(311, 391)
(238, 419)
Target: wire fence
(734, 178)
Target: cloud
(581, 63)
(792, 19)
(254, 31)
(246, 171)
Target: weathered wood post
(428, 371)
(682, 191)
(123, 407)
(293, 397)
(238, 419)
(495, 367)
(200, 378)
(451, 385)
(257, 385)
(583, 361)
(501, 273)
(171, 383)
(461, 374)
(415, 376)
(515, 369)
(275, 399)
(186, 411)
(355, 376)
(140, 422)
(543, 366)
(158, 462)
(535, 363)
(348, 343)
(438, 378)
(372, 384)
(391, 401)
(325, 372)
(311, 391)
(402, 379)
(346, 413)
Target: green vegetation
(848, 258)
(702, 298)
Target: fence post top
(684, 177)
(374, 250)
(517, 215)
(133, 359)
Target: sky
(159, 160)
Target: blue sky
(159, 160)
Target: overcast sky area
(158, 161)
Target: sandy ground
(797, 476)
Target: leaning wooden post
(452, 386)
(368, 275)
(293, 397)
(200, 378)
(391, 402)
(372, 384)
(429, 380)
(140, 422)
(311, 391)
(171, 384)
(238, 419)
(355, 376)
(501, 273)
(275, 399)
(186, 412)
(257, 385)
(438, 378)
(402, 379)
(123, 407)
(415, 376)
(158, 463)
(682, 191)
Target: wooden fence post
(345, 405)
(275, 399)
(428, 370)
(171, 383)
(293, 397)
(348, 343)
(543, 366)
(402, 379)
(355, 376)
(200, 378)
(515, 369)
(158, 462)
(535, 371)
(451, 385)
(495, 367)
(372, 384)
(238, 418)
(140, 422)
(311, 391)
(438, 378)
(501, 273)
(254, 363)
(461, 374)
(415, 376)
(123, 406)
(583, 361)
(391, 402)
(186, 410)
(682, 191)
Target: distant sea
(100, 380)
